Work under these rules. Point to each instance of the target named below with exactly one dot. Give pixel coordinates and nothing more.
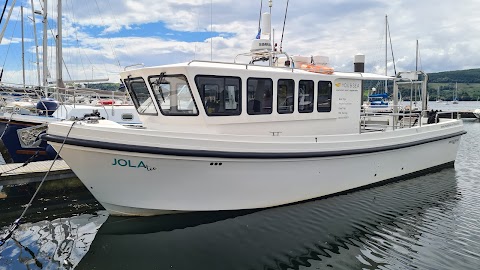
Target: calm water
(428, 222)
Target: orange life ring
(317, 68)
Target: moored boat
(476, 112)
(229, 136)
(19, 132)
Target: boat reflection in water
(391, 226)
(56, 244)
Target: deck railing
(11, 92)
(378, 121)
(452, 115)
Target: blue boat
(378, 100)
(19, 135)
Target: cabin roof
(238, 66)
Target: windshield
(141, 96)
(173, 95)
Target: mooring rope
(6, 126)
(15, 224)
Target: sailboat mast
(45, 48)
(416, 57)
(386, 49)
(36, 41)
(59, 46)
(7, 20)
(386, 42)
(416, 67)
(23, 47)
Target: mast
(456, 91)
(269, 25)
(386, 49)
(211, 30)
(45, 48)
(416, 68)
(36, 41)
(23, 48)
(416, 57)
(6, 21)
(59, 46)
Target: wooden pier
(463, 114)
(14, 174)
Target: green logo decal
(132, 164)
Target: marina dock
(463, 114)
(15, 174)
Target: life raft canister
(106, 102)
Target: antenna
(283, 30)
(260, 17)
(211, 30)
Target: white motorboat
(476, 112)
(228, 136)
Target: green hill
(459, 76)
(468, 83)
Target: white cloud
(337, 28)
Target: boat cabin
(246, 99)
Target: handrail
(394, 124)
(34, 94)
(134, 65)
(451, 115)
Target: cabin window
(173, 95)
(285, 96)
(324, 96)
(141, 96)
(221, 96)
(305, 96)
(260, 91)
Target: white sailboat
(438, 95)
(455, 94)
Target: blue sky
(103, 36)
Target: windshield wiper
(158, 82)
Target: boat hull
(129, 183)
